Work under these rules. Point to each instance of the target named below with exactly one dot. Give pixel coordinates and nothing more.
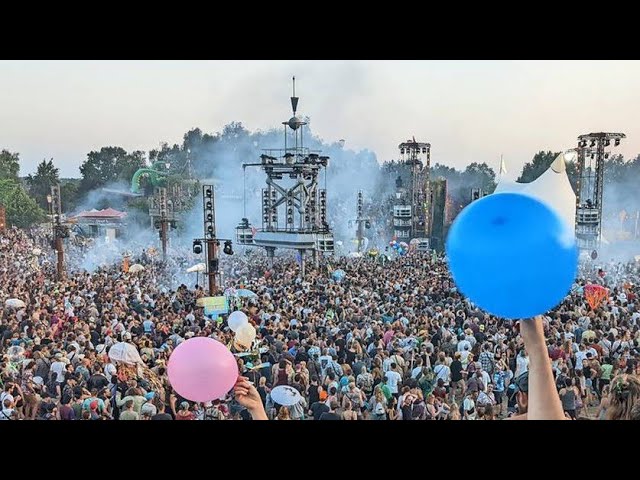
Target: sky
(470, 111)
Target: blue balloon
(512, 255)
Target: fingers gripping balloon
(512, 255)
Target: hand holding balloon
(247, 396)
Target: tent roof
(552, 187)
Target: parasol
(136, 267)
(125, 353)
(243, 292)
(14, 303)
(285, 395)
(198, 267)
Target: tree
(21, 210)
(9, 165)
(40, 183)
(536, 167)
(479, 175)
(69, 194)
(110, 164)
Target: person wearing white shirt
(441, 370)
(581, 354)
(58, 367)
(386, 364)
(522, 363)
(486, 379)
(393, 378)
(464, 345)
(416, 371)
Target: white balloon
(236, 320)
(245, 335)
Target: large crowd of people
(391, 340)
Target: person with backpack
(364, 381)
(378, 405)
(486, 359)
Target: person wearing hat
(149, 406)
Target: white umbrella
(14, 303)
(125, 353)
(198, 267)
(136, 267)
(285, 395)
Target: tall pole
(56, 209)
(211, 271)
(208, 207)
(163, 233)
(162, 194)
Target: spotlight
(208, 193)
(617, 142)
(197, 247)
(593, 143)
(209, 217)
(210, 229)
(209, 205)
(227, 248)
(607, 142)
(367, 224)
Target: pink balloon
(202, 369)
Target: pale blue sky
(468, 110)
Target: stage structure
(361, 223)
(439, 213)
(294, 208)
(412, 208)
(592, 151)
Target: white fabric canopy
(552, 187)
(126, 353)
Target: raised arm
(544, 402)
(247, 396)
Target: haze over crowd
(470, 111)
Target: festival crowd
(391, 340)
